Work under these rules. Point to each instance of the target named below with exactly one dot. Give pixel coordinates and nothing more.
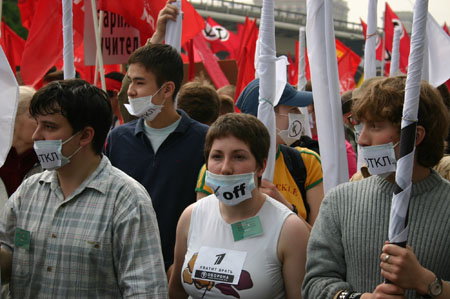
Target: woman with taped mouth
(238, 242)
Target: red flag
(210, 62)
(39, 54)
(379, 42)
(293, 68)
(143, 15)
(390, 21)
(220, 38)
(27, 9)
(348, 62)
(12, 45)
(446, 28)
(246, 57)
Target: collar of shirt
(51, 177)
(182, 126)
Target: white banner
(9, 95)
(118, 42)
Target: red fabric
(246, 57)
(27, 9)
(44, 45)
(379, 42)
(12, 45)
(143, 15)
(16, 167)
(391, 20)
(191, 70)
(193, 22)
(220, 38)
(291, 70)
(210, 62)
(348, 62)
(446, 28)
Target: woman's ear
(260, 171)
(87, 135)
(420, 134)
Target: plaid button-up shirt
(100, 242)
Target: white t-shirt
(261, 273)
(157, 136)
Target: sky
(439, 9)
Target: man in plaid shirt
(82, 228)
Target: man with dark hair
(348, 256)
(200, 101)
(113, 82)
(163, 148)
(82, 228)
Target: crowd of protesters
(154, 189)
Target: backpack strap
(296, 167)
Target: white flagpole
(370, 69)
(398, 229)
(395, 58)
(97, 42)
(100, 26)
(302, 75)
(69, 65)
(267, 83)
(327, 101)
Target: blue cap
(249, 98)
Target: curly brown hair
(383, 100)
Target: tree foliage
(11, 15)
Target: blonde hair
(25, 95)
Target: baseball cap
(248, 100)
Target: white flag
(9, 95)
(325, 82)
(438, 53)
(173, 30)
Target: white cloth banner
(267, 71)
(395, 61)
(398, 231)
(302, 75)
(438, 58)
(174, 29)
(370, 69)
(69, 65)
(327, 101)
(9, 95)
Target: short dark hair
(163, 61)
(383, 100)
(245, 127)
(81, 103)
(226, 104)
(199, 101)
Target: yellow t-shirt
(282, 178)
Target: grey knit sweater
(352, 226)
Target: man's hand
(271, 190)
(385, 291)
(169, 12)
(401, 267)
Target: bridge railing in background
(244, 9)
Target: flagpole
(371, 39)
(325, 85)
(96, 70)
(302, 74)
(174, 29)
(395, 54)
(98, 45)
(398, 228)
(69, 65)
(267, 84)
(383, 55)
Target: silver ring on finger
(386, 258)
